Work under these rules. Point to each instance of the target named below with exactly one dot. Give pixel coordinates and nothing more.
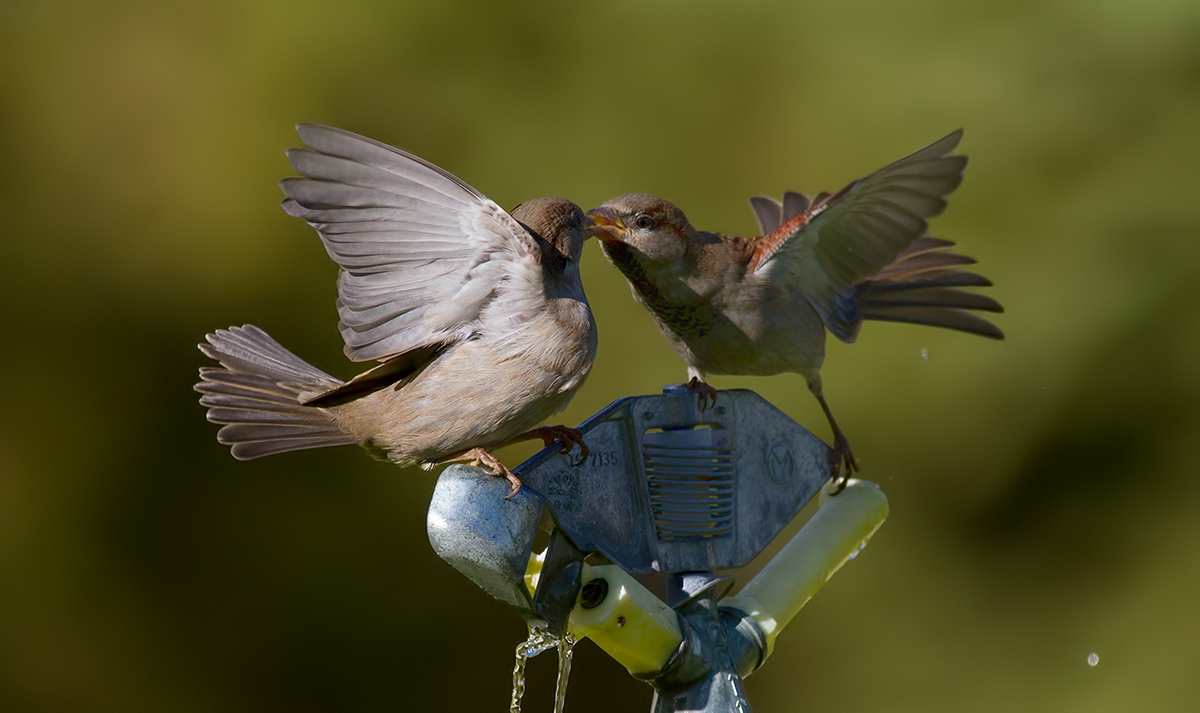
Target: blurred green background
(1043, 489)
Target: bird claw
(514, 483)
(706, 392)
(494, 468)
(567, 438)
(498, 470)
(840, 456)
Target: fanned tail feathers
(256, 394)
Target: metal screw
(593, 593)
(648, 415)
(720, 409)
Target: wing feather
(771, 214)
(840, 241)
(946, 318)
(768, 212)
(422, 252)
(794, 204)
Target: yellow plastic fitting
(837, 532)
(631, 624)
(533, 570)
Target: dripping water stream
(538, 642)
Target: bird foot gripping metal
(668, 489)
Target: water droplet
(1093, 659)
(924, 353)
(861, 546)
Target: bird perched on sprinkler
(761, 306)
(477, 317)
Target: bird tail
(256, 394)
(921, 287)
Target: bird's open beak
(608, 225)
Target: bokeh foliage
(1043, 489)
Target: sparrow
(477, 317)
(761, 306)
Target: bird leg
(567, 437)
(494, 467)
(707, 393)
(841, 455)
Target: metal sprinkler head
(669, 488)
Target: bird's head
(559, 222)
(653, 230)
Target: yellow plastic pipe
(632, 625)
(837, 532)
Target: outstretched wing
(842, 240)
(422, 253)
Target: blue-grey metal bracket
(670, 488)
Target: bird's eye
(644, 222)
